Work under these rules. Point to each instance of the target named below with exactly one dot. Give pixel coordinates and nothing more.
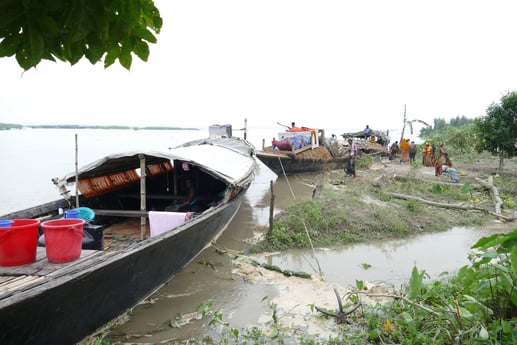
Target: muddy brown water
(209, 276)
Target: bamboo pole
(403, 125)
(142, 196)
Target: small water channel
(210, 275)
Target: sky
(338, 64)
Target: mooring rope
(303, 221)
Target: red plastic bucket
(63, 239)
(18, 243)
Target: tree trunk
(403, 126)
(501, 161)
(494, 193)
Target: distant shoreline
(6, 126)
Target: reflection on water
(209, 276)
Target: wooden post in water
(271, 209)
(142, 196)
(245, 128)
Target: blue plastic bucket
(72, 214)
(86, 213)
(5, 223)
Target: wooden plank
(41, 267)
(10, 280)
(305, 148)
(18, 284)
(275, 154)
(59, 269)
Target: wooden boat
(61, 303)
(312, 153)
(317, 153)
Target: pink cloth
(161, 222)
(284, 144)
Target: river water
(31, 157)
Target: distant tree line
(10, 126)
(441, 126)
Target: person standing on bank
(412, 152)
(352, 156)
(367, 132)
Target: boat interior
(123, 215)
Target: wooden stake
(271, 209)
(245, 128)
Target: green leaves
(497, 132)
(416, 282)
(72, 29)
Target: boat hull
(282, 164)
(74, 305)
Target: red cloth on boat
(298, 129)
(284, 144)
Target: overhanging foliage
(33, 30)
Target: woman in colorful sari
(404, 147)
(438, 164)
(439, 160)
(427, 159)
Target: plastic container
(18, 243)
(5, 223)
(86, 213)
(74, 213)
(63, 239)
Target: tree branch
(494, 192)
(453, 206)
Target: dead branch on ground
(494, 192)
(341, 315)
(235, 255)
(453, 206)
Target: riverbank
(391, 200)
(368, 208)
